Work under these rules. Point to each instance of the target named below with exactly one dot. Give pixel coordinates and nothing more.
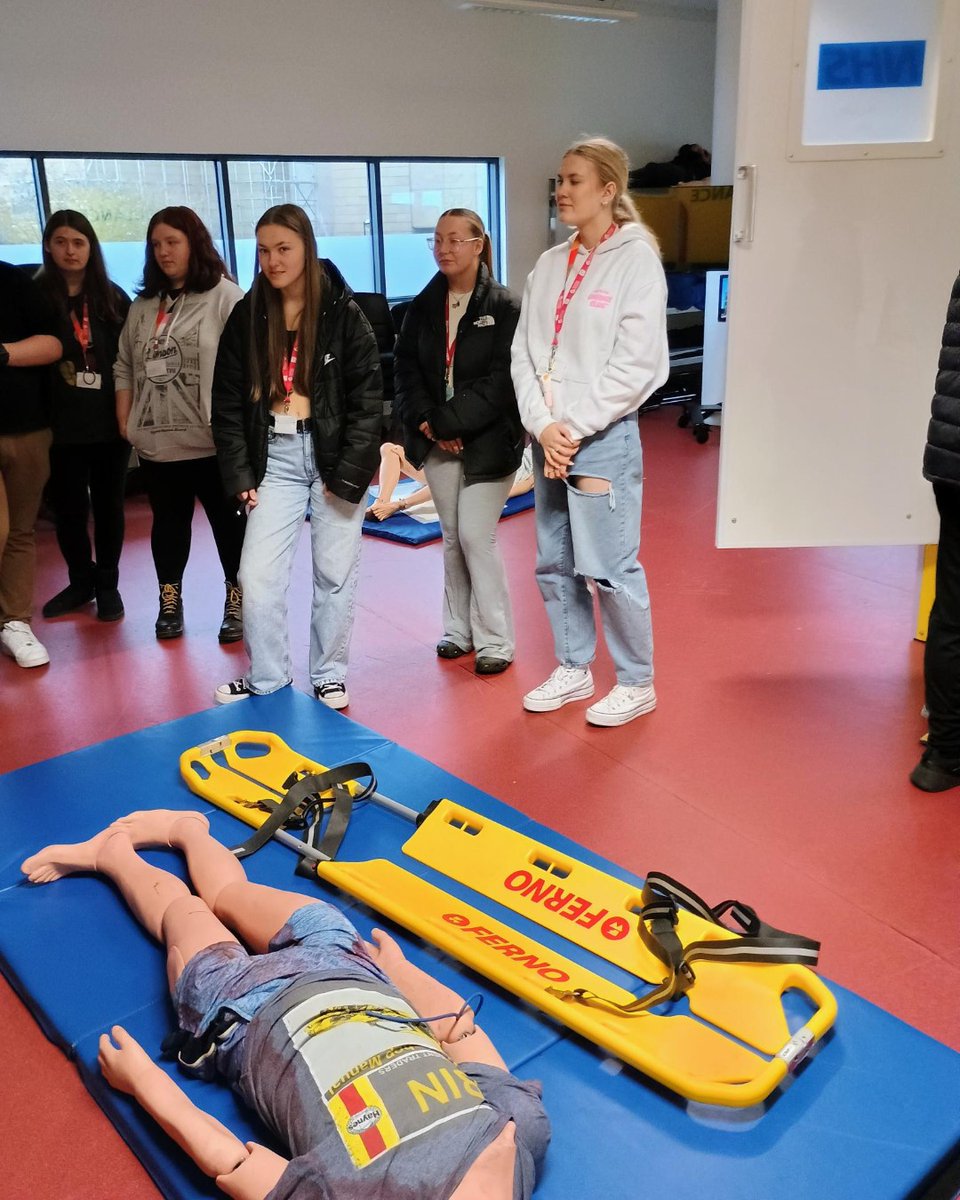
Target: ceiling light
(558, 11)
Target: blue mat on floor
(872, 1115)
(403, 528)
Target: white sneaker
(564, 685)
(333, 695)
(230, 693)
(17, 639)
(622, 704)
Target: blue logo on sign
(845, 65)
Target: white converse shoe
(564, 685)
(230, 693)
(17, 639)
(622, 704)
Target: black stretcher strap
(663, 897)
(306, 793)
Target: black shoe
(74, 595)
(486, 664)
(933, 773)
(170, 621)
(231, 628)
(448, 649)
(109, 604)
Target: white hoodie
(612, 353)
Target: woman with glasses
(164, 373)
(462, 426)
(297, 410)
(88, 458)
(590, 348)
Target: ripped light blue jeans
(595, 536)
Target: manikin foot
(53, 862)
(157, 826)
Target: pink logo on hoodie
(599, 298)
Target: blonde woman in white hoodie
(590, 347)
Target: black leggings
(173, 489)
(84, 478)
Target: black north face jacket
(941, 458)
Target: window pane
(414, 195)
(120, 195)
(334, 195)
(19, 218)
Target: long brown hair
(205, 269)
(96, 286)
(476, 230)
(613, 166)
(268, 337)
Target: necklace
(457, 298)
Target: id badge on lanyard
(87, 378)
(162, 360)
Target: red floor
(774, 770)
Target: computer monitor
(722, 297)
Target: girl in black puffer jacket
(297, 408)
(461, 424)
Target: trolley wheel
(683, 420)
(702, 434)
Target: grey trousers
(476, 603)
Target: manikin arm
(462, 1040)
(246, 1172)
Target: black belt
(303, 426)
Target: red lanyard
(563, 300)
(288, 369)
(163, 319)
(451, 346)
(82, 332)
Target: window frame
(220, 163)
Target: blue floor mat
(872, 1115)
(403, 528)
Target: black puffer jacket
(483, 410)
(941, 458)
(346, 401)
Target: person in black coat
(297, 409)
(461, 424)
(939, 768)
(88, 458)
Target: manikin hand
(384, 951)
(124, 1064)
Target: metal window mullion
(376, 226)
(222, 176)
(41, 189)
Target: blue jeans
(593, 535)
(269, 547)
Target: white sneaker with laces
(564, 685)
(333, 695)
(17, 639)
(622, 704)
(230, 693)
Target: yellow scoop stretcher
(737, 1052)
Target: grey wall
(353, 77)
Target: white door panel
(837, 301)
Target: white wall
(353, 77)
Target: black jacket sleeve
(230, 394)
(486, 400)
(363, 408)
(413, 398)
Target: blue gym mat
(401, 527)
(874, 1114)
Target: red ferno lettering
(569, 905)
(486, 937)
